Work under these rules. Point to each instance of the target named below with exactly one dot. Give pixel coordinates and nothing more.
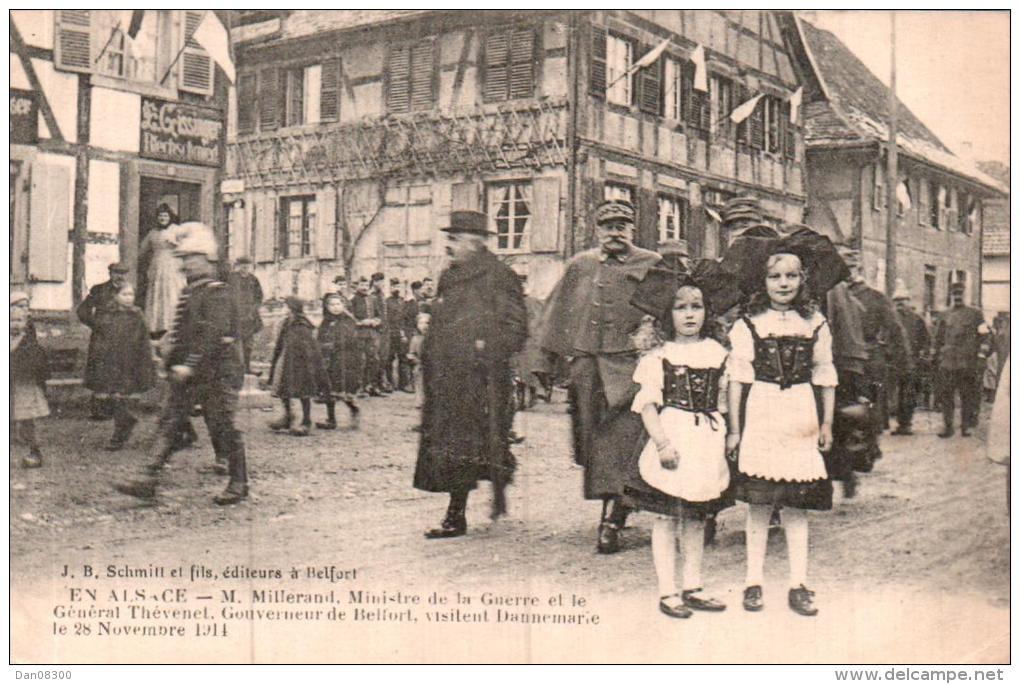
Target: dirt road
(915, 569)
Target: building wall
(995, 288)
(841, 204)
(90, 189)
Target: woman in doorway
(164, 277)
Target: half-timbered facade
(357, 132)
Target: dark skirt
(812, 496)
(652, 500)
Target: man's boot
(237, 488)
(455, 522)
(123, 425)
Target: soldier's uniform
(206, 340)
(961, 347)
(909, 376)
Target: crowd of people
(764, 376)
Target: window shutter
(545, 215)
(650, 87)
(789, 133)
(325, 226)
(421, 76)
(73, 40)
(922, 202)
(741, 95)
(497, 65)
(329, 92)
(196, 67)
(465, 197)
(597, 82)
(49, 223)
(398, 89)
(247, 101)
(757, 125)
(522, 58)
(265, 228)
(268, 99)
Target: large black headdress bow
(655, 294)
(746, 258)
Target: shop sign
(24, 117)
(180, 132)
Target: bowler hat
(467, 221)
(378, 276)
(394, 281)
(118, 267)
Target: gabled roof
(856, 107)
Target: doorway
(182, 197)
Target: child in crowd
(683, 465)
(29, 372)
(414, 350)
(120, 362)
(339, 344)
(297, 369)
(781, 353)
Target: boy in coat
(297, 370)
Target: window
(409, 215)
(878, 201)
(674, 89)
(970, 214)
(674, 213)
(97, 41)
(699, 104)
(904, 199)
(721, 94)
(936, 194)
(247, 101)
(618, 191)
(509, 65)
(930, 278)
(297, 226)
(949, 210)
(510, 207)
(619, 58)
(923, 202)
(301, 94)
(409, 77)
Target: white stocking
(664, 554)
(693, 544)
(757, 542)
(795, 524)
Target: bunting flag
(700, 69)
(795, 99)
(212, 35)
(713, 214)
(903, 195)
(646, 61)
(743, 111)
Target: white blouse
(782, 324)
(705, 353)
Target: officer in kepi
(204, 365)
(961, 347)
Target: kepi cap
(614, 210)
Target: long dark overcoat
(120, 354)
(341, 351)
(467, 413)
(247, 293)
(298, 361)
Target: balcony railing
(484, 139)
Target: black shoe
(300, 430)
(695, 602)
(965, 432)
(33, 460)
(752, 599)
(948, 432)
(671, 606)
(140, 489)
(609, 538)
(326, 425)
(450, 527)
(900, 431)
(216, 468)
(231, 495)
(802, 601)
(515, 438)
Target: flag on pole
(903, 195)
(713, 214)
(743, 111)
(646, 61)
(795, 99)
(700, 69)
(212, 35)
